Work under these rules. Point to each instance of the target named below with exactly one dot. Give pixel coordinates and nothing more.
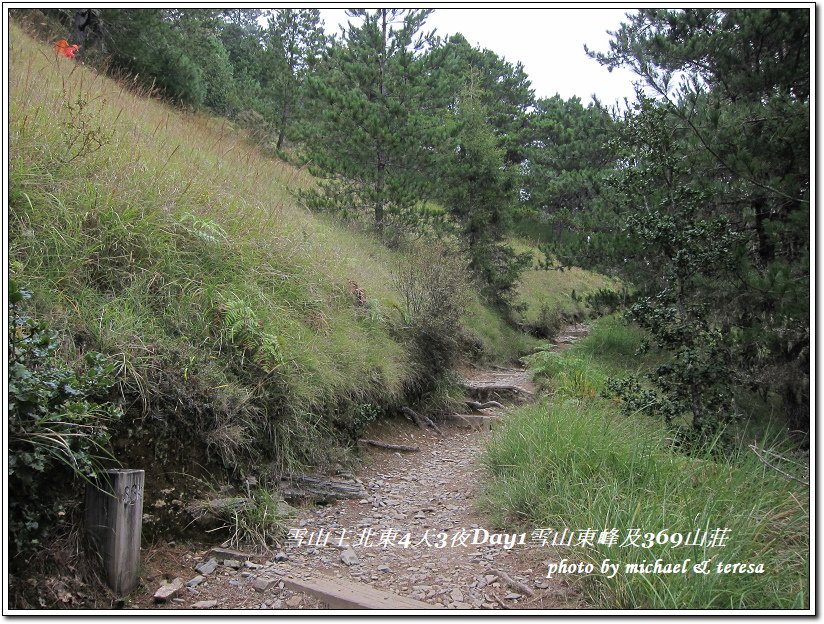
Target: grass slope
(167, 241)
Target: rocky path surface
(418, 532)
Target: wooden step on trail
(319, 488)
(483, 390)
(341, 594)
(478, 422)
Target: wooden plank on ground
(479, 422)
(340, 594)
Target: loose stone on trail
(263, 584)
(207, 567)
(168, 591)
(349, 557)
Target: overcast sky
(548, 41)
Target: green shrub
(57, 432)
(549, 322)
(605, 301)
(565, 375)
(432, 286)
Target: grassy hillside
(167, 241)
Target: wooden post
(114, 518)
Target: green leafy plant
(203, 228)
(57, 432)
(564, 375)
(242, 329)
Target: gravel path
(411, 535)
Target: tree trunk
(381, 156)
(83, 19)
(284, 116)
(291, 85)
(765, 248)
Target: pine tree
(479, 190)
(710, 208)
(504, 90)
(296, 39)
(242, 36)
(374, 103)
(567, 154)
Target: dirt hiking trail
(417, 533)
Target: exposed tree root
(422, 421)
(391, 447)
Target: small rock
(349, 557)
(195, 581)
(277, 604)
(207, 567)
(228, 553)
(263, 583)
(205, 604)
(251, 565)
(541, 584)
(234, 582)
(168, 590)
(457, 595)
(490, 578)
(512, 596)
(232, 563)
(294, 601)
(281, 556)
(384, 568)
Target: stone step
(341, 594)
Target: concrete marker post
(114, 519)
